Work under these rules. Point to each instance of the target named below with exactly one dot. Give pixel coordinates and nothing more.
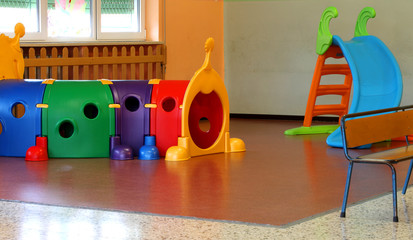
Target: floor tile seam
(282, 226)
(144, 214)
(335, 210)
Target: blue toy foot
(149, 151)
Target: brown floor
(279, 180)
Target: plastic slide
(377, 80)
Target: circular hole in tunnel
(91, 111)
(18, 110)
(66, 129)
(168, 104)
(204, 124)
(132, 103)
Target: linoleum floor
(280, 180)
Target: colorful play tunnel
(166, 112)
(20, 119)
(119, 119)
(132, 118)
(78, 121)
(205, 99)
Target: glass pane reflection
(69, 18)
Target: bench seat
(392, 155)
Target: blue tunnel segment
(20, 119)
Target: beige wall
(184, 26)
(188, 24)
(270, 48)
(154, 20)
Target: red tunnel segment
(168, 96)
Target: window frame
(96, 36)
(121, 36)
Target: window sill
(87, 43)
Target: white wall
(270, 48)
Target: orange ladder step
(331, 109)
(317, 89)
(335, 69)
(333, 89)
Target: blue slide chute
(377, 79)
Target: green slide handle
(324, 37)
(361, 25)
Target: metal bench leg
(406, 182)
(343, 208)
(395, 217)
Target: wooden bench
(363, 128)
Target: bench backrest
(377, 128)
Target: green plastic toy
(78, 121)
(361, 25)
(320, 129)
(324, 37)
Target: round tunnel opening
(204, 124)
(205, 120)
(132, 104)
(18, 110)
(168, 104)
(66, 129)
(91, 111)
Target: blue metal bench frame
(374, 126)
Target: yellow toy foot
(237, 145)
(177, 153)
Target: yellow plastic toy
(205, 99)
(11, 57)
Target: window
(74, 20)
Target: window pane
(120, 15)
(14, 11)
(69, 18)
